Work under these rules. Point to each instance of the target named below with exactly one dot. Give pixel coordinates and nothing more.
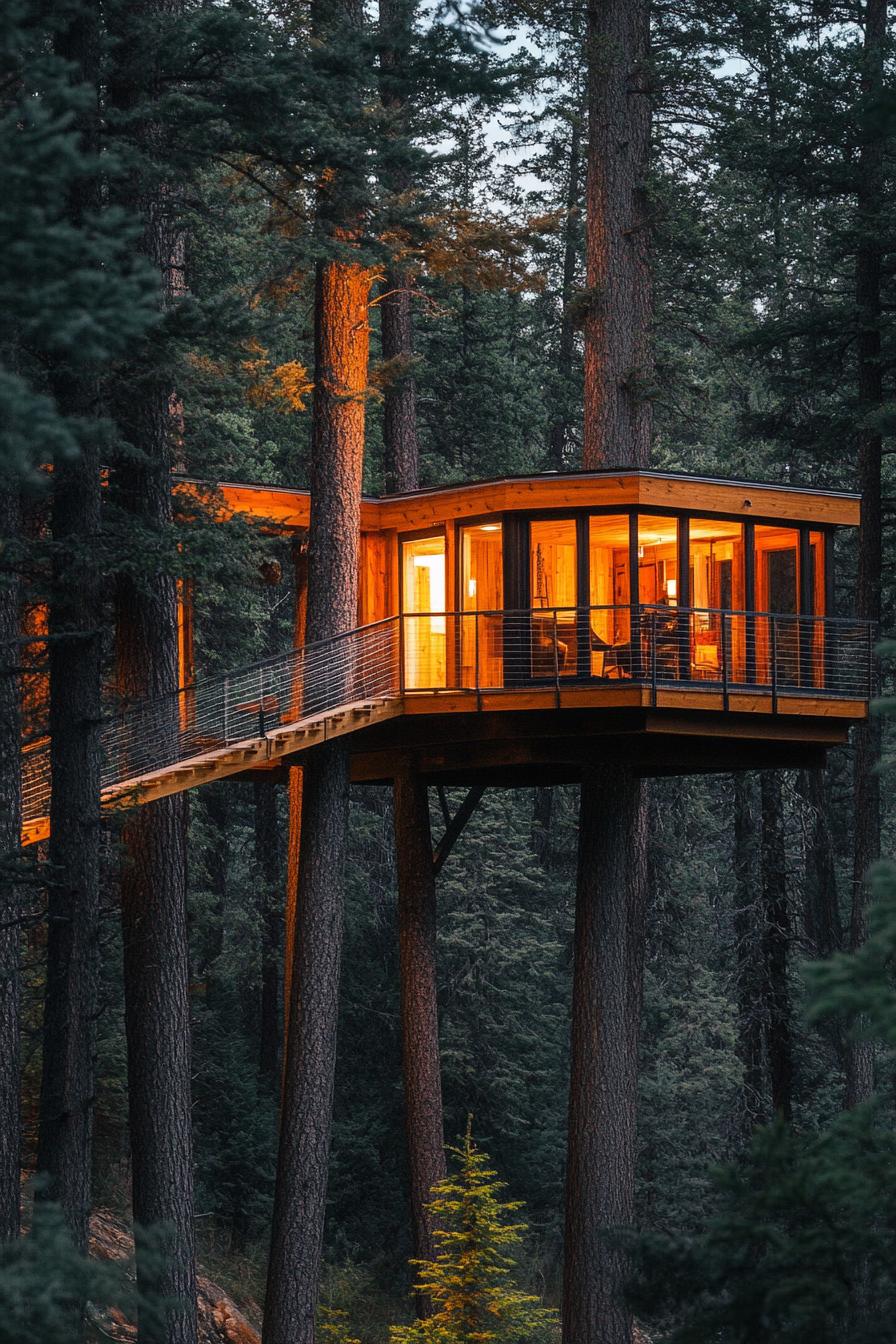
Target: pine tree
(470, 1280)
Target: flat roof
(288, 506)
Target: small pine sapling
(470, 1281)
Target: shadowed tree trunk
(416, 909)
(618, 372)
(10, 889)
(402, 453)
(419, 1003)
(612, 874)
(748, 917)
(267, 851)
(153, 877)
(294, 798)
(607, 987)
(821, 912)
(65, 1128)
(776, 944)
(153, 915)
(559, 432)
(870, 191)
(337, 453)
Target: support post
(419, 1002)
(607, 989)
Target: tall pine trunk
(267, 850)
(416, 910)
(607, 990)
(612, 875)
(154, 836)
(618, 371)
(419, 1005)
(65, 1126)
(337, 455)
(870, 188)
(748, 925)
(559, 457)
(10, 889)
(776, 945)
(402, 452)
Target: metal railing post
(653, 658)
(774, 656)
(475, 655)
(226, 709)
(556, 660)
(726, 636)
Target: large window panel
(717, 583)
(482, 600)
(777, 563)
(609, 595)
(658, 588)
(553, 576)
(423, 608)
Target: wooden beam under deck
(463, 735)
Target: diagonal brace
(455, 826)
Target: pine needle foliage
(470, 1282)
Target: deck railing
(481, 651)
(657, 645)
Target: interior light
(490, 527)
(672, 587)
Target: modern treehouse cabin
(511, 631)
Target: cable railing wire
(658, 646)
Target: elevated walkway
(503, 695)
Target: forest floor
(220, 1320)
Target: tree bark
(776, 945)
(607, 989)
(10, 888)
(821, 912)
(748, 954)
(870, 187)
(65, 1125)
(419, 1005)
(153, 877)
(294, 802)
(618, 374)
(612, 874)
(337, 453)
(559, 430)
(267, 850)
(153, 916)
(401, 448)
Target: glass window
(609, 595)
(423, 608)
(815, 629)
(482, 594)
(553, 570)
(778, 592)
(657, 560)
(717, 583)
(658, 588)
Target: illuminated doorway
(423, 612)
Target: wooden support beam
(455, 827)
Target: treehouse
(511, 631)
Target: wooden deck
(526, 735)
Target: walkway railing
(777, 655)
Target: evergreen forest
(617, 1067)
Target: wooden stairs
(218, 763)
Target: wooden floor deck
(513, 735)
